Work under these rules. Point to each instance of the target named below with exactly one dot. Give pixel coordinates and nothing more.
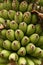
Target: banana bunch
(21, 34)
(21, 5)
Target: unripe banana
(13, 57)
(2, 21)
(34, 19)
(30, 29)
(27, 17)
(36, 61)
(30, 48)
(5, 54)
(38, 29)
(19, 34)
(4, 14)
(7, 44)
(25, 41)
(22, 61)
(29, 61)
(18, 17)
(13, 25)
(7, 5)
(10, 34)
(15, 5)
(34, 38)
(11, 14)
(30, 6)
(22, 51)
(23, 6)
(40, 41)
(23, 27)
(15, 45)
(37, 52)
(3, 33)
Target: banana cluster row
(21, 34)
(6, 56)
(19, 6)
(18, 16)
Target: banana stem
(38, 13)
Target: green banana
(29, 61)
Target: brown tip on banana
(12, 63)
